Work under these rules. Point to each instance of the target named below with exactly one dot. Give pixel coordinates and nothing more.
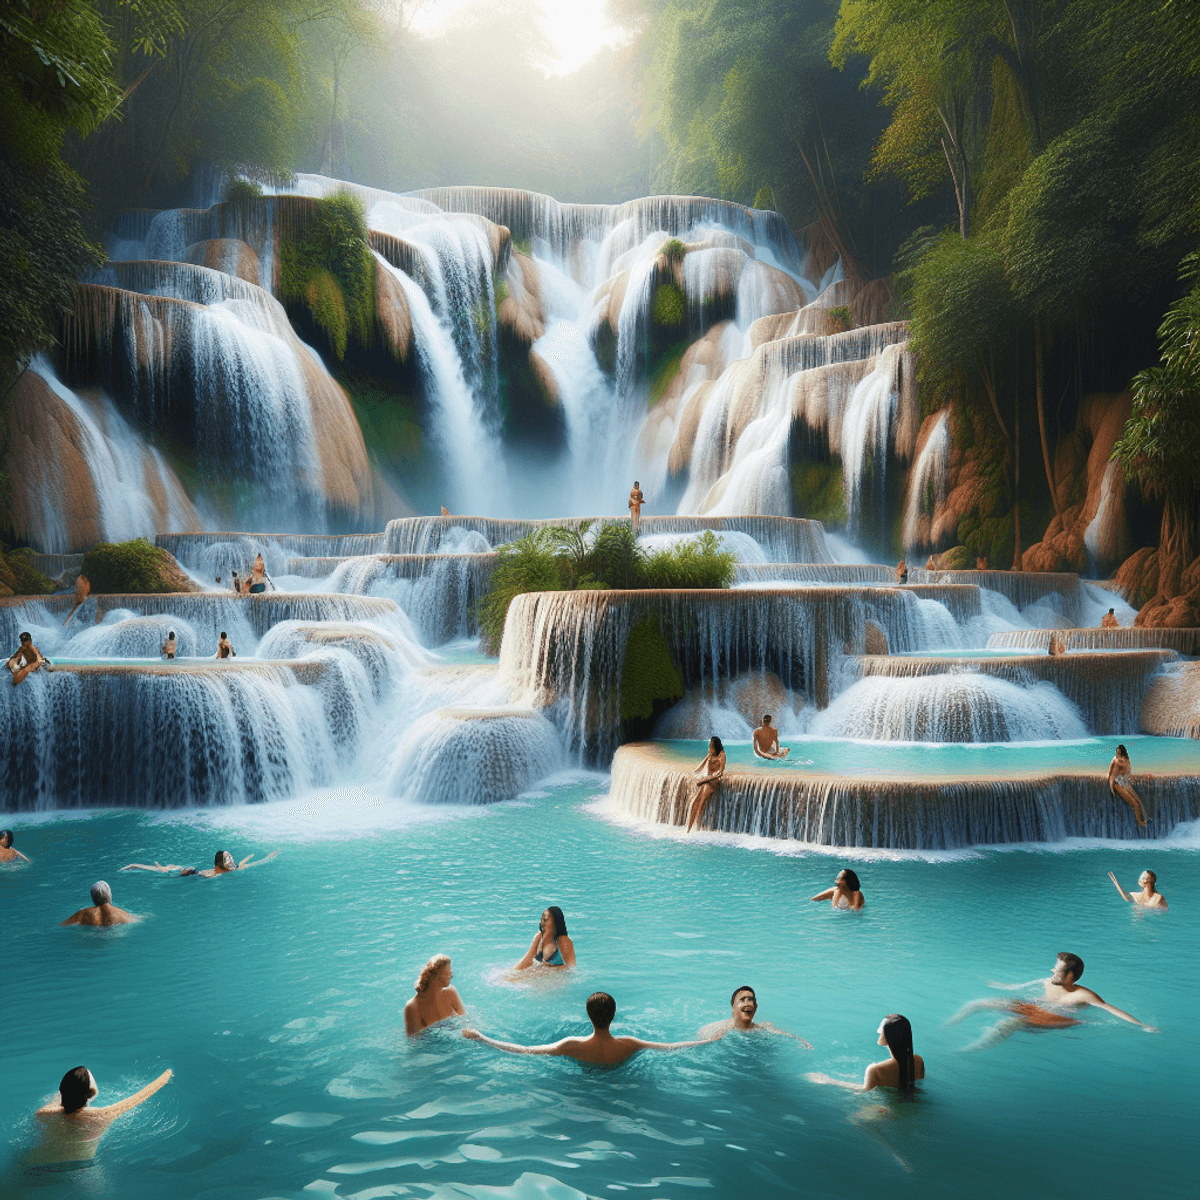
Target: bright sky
(576, 28)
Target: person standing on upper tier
(1109, 620)
(902, 572)
(104, 912)
(258, 577)
(170, 646)
(636, 500)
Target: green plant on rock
(19, 577)
(818, 492)
(648, 676)
(842, 316)
(134, 566)
(669, 306)
(242, 190)
(699, 562)
(674, 250)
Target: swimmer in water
(766, 741)
(1148, 897)
(7, 852)
(222, 864)
(900, 1071)
(71, 1130)
(1121, 769)
(845, 892)
(1061, 992)
(435, 999)
(551, 947)
(711, 771)
(744, 1005)
(103, 912)
(601, 1049)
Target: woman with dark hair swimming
(900, 1071)
(711, 770)
(845, 892)
(551, 947)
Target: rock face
(1175, 612)
(395, 320)
(230, 255)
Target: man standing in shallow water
(601, 1049)
(744, 1005)
(766, 741)
(104, 912)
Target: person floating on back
(636, 500)
(103, 910)
(1061, 996)
(27, 659)
(744, 1004)
(1148, 897)
(225, 647)
(7, 852)
(711, 771)
(1109, 620)
(170, 646)
(1121, 769)
(222, 865)
(900, 1071)
(71, 1130)
(845, 893)
(601, 1049)
(766, 741)
(435, 1000)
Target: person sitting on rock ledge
(103, 912)
(27, 659)
(222, 864)
(1148, 897)
(902, 572)
(601, 1049)
(170, 646)
(258, 580)
(1109, 620)
(714, 765)
(744, 1004)
(766, 741)
(7, 852)
(1120, 768)
(225, 647)
(981, 563)
(1057, 646)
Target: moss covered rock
(135, 566)
(669, 306)
(19, 577)
(649, 678)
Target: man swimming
(1148, 897)
(222, 864)
(225, 647)
(601, 1049)
(7, 851)
(103, 912)
(71, 1130)
(1061, 991)
(1121, 768)
(26, 659)
(744, 1005)
(766, 741)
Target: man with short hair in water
(71, 1130)
(222, 864)
(1109, 620)
(1061, 991)
(766, 741)
(103, 912)
(744, 1005)
(1148, 897)
(636, 500)
(225, 647)
(435, 1000)
(169, 646)
(7, 852)
(26, 659)
(601, 1049)
(1121, 769)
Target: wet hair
(897, 1032)
(1122, 751)
(75, 1089)
(170, 634)
(1072, 962)
(223, 858)
(1112, 610)
(6, 837)
(601, 1008)
(101, 893)
(223, 634)
(715, 743)
(429, 970)
(1153, 877)
(26, 637)
(636, 484)
(738, 991)
(851, 880)
(766, 718)
(560, 922)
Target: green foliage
(764, 198)
(242, 190)
(843, 316)
(698, 562)
(674, 250)
(648, 675)
(136, 566)
(19, 577)
(500, 286)
(526, 565)
(818, 492)
(669, 305)
(664, 370)
(330, 269)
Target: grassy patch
(818, 493)
(136, 566)
(664, 371)
(669, 306)
(19, 577)
(648, 675)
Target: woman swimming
(845, 892)
(551, 947)
(435, 999)
(711, 771)
(1121, 769)
(900, 1071)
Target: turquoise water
(925, 760)
(276, 997)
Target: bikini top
(555, 960)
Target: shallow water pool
(276, 997)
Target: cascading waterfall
(927, 484)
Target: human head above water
(1071, 962)
(897, 1034)
(1122, 752)
(223, 858)
(101, 893)
(25, 637)
(849, 878)
(6, 838)
(601, 1008)
(766, 718)
(738, 991)
(76, 1088)
(430, 971)
(558, 920)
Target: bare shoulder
(919, 1064)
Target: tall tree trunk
(1039, 379)
(1174, 548)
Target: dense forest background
(1023, 176)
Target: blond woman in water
(435, 999)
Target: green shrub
(136, 566)
(19, 577)
(670, 305)
(842, 316)
(674, 249)
(323, 295)
(501, 288)
(648, 674)
(242, 189)
(697, 563)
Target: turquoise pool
(276, 998)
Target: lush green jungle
(1018, 179)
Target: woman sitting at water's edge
(435, 999)
(711, 770)
(900, 1071)
(845, 892)
(550, 946)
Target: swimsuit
(555, 960)
(845, 902)
(256, 588)
(1040, 1018)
